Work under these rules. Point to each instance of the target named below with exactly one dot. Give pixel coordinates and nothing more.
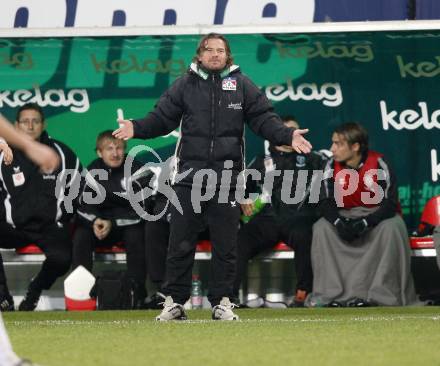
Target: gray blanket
(375, 267)
(437, 243)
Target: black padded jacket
(29, 196)
(212, 109)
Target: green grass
(376, 336)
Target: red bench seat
(424, 242)
(421, 246)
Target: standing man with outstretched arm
(211, 102)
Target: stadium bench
(22, 264)
(420, 247)
(33, 254)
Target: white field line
(202, 321)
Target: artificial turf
(367, 336)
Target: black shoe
(156, 301)
(359, 303)
(299, 299)
(235, 299)
(335, 304)
(140, 304)
(432, 302)
(295, 304)
(30, 301)
(6, 303)
(140, 297)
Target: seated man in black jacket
(32, 213)
(111, 218)
(47, 160)
(360, 249)
(279, 221)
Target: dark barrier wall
(359, 10)
(427, 9)
(86, 13)
(386, 80)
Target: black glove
(358, 227)
(344, 230)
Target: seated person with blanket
(360, 248)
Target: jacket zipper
(211, 147)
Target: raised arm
(265, 122)
(164, 118)
(45, 157)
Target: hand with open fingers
(125, 130)
(44, 156)
(299, 143)
(102, 228)
(7, 152)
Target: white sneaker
(171, 311)
(223, 311)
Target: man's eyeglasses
(33, 121)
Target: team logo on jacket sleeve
(229, 83)
(300, 161)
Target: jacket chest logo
(235, 106)
(229, 84)
(18, 177)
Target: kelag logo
(329, 93)
(76, 99)
(20, 60)
(358, 51)
(134, 64)
(435, 166)
(409, 119)
(425, 69)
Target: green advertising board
(388, 81)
